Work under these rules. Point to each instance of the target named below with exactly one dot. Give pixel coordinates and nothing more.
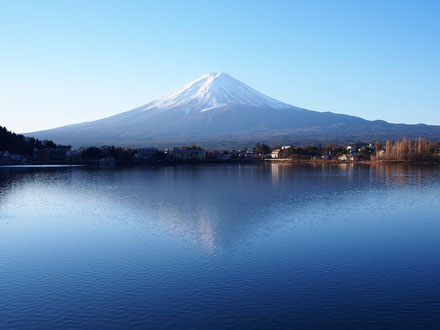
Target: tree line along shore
(18, 149)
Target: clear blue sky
(72, 61)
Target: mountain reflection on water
(220, 246)
(214, 206)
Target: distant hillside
(19, 144)
(218, 110)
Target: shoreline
(365, 162)
(214, 162)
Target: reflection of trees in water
(9, 175)
(402, 174)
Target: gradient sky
(64, 62)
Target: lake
(240, 246)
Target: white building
(346, 157)
(275, 153)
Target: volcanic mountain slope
(217, 109)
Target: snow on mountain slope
(211, 91)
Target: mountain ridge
(219, 109)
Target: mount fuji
(219, 110)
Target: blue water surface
(268, 246)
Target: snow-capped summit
(211, 91)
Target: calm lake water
(220, 246)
